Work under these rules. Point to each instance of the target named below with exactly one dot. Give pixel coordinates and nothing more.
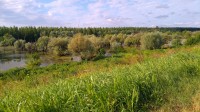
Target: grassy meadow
(133, 80)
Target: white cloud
(100, 12)
(109, 20)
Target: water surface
(12, 60)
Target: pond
(18, 59)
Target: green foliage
(58, 46)
(106, 41)
(176, 43)
(116, 47)
(1, 39)
(14, 74)
(132, 41)
(195, 39)
(42, 43)
(7, 40)
(30, 47)
(151, 41)
(31, 34)
(82, 46)
(96, 42)
(33, 60)
(121, 37)
(118, 38)
(187, 34)
(19, 44)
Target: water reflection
(8, 61)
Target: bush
(19, 44)
(42, 43)
(58, 46)
(121, 37)
(192, 41)
(195, 39)
(7, 40)
(30, 47)
(33, 60)
(106, 41)
(97, 43)
(132, 41)
(151, 41)
(176, 43)
(116, 47)
(82, 46)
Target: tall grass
(134, 88)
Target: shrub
(19, 44)
(82, 46)
(97, 43)
(151, 41)
(58, 46)
(176, 43)
(42, 43)
(106, 41)
(7, 40)
(28, 46)
(121, 37)
(33, 60)
(195, 39)
(132, 41)
(3, 43)
(116, 47)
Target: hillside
(156, 81)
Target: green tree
(30, 47)
(7, 40)
(19, 44)
(116, 47)
(97, 43)
(42, 43)
(151, 41)
(106, 41)
(58, 46)
(82, 46)
(132, 41)
(195, 39)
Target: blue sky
(100, 13)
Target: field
(148, 80)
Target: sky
(100, 13)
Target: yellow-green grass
(168, 83)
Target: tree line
(90, 43)
(31, 34)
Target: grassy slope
(17, 79)
(168, 84)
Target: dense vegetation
(31, 34)
(89, 43)
(130, 88)
(149, 69)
